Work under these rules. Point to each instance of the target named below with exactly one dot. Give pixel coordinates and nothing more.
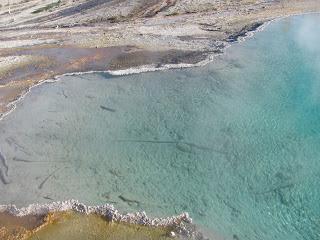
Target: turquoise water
(235, 143)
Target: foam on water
(235, 143)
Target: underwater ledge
(43, 221)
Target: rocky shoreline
(176, 226)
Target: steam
(308, 34)
(308, 37)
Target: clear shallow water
(235, 143)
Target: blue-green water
(235, 143)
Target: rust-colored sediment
(19, 228)
(73, 226)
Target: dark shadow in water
(107, 109)
(3, 170)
